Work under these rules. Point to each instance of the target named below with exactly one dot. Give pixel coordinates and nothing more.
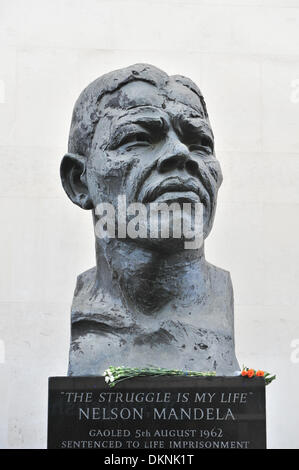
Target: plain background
(244, 55)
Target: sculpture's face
(154, 146)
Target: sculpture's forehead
(139, 93)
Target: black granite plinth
(157, 413)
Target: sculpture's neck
(146, 280)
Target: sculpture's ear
(73, 178)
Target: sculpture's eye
(203, 145)
(140, 139)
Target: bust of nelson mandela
(141, 133)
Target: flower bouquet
(114, 375)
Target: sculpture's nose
(176, 155)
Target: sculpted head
(142, 133)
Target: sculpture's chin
(168, 245)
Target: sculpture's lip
(176, 188)
(178, 196)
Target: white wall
(244, 56)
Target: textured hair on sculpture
(86, 110)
